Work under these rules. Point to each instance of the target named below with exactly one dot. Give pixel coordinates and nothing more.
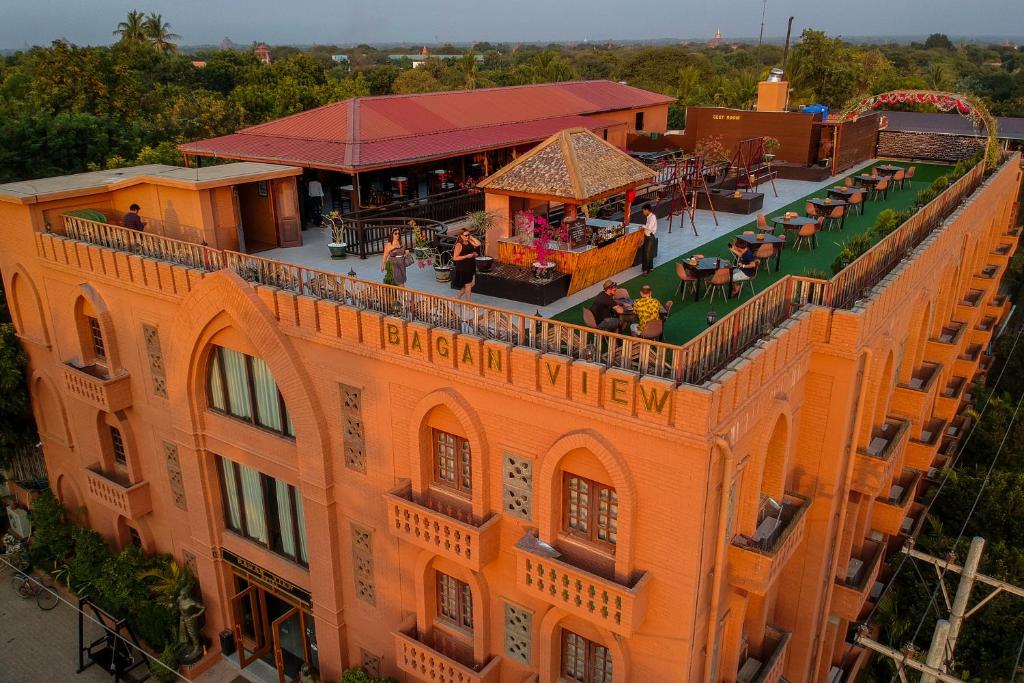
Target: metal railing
(367, 237)
(692, 363)
(443, 206)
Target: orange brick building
(364, 476)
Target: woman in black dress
(465, 253)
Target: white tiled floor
(313, 253)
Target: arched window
(243, 387)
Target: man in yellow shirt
(646, 309)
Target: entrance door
(291, 646)
(249, 607)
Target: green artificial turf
(688, 317)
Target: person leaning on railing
(133, 220)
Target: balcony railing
(968, 308)
(89, 383)
(756, 563)
(947, 403)
(851, 592)
(914, 399)
(986, 278)
(426, 663)
(540, 572)
(944, 347)
(438, 530)
(875, 463)
(921, 449)
(772, 659)
(130, 500)
(889, 511)
(692, 363)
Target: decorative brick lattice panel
(517, 486)
(362, 562)
(352, 424)
(370, 663)
(518, 625)
(156, 359)
(174, 475)
(931, 146)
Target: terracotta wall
(655, 118)
(364, 390)
(793, 130)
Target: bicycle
(28, 586)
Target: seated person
(646, 309)
(737, 247)
(605, 309)
(746, 268)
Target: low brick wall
(930, 146)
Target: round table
(704, 268)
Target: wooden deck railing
(692, 363)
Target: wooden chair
(806, 235)
(718, 283)
(811, 210)
(835, 216)
(588, 318)
(764, 254)
(855, 202)
(881, 189)
(686, 279)
(899, 178)
(848, 181)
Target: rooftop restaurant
(737, 248)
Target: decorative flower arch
(968, 107)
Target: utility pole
(943, 645)
(764, 11)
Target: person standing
(133, 220)
(398, 257)
(464, 255)
(647, 250)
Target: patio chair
(910, 174)
(762, 224)
(718, 283)
(874, 172)
(806, 236)
(811, 210)
(654, 329)
(741, 278)
(855, 202)
(764, 254)
(621, 293)
(848, 181)
(898, 178)
(835, 216)
(881, 189)
(686, 280)
(588, 318)
(668, 308)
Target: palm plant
(470, 70)
(133, 29)
(159, 33)
(168, 582)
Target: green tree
(415, 81)
(158, 32)
(940, 41)
(133, 28)
(824, 68)
(17, 426)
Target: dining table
(795, 223)
(869, 180)
(889, 169)
(704, 269)
(827, 204)
(777, 241)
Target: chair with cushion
(806, 236)
(835, 217)
(686, 279)
(719, 282)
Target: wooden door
(286, 212)
(253, 644)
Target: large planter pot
(542, 271)
(338, 250)
(484, 263)
(443, 273)
(421, 253)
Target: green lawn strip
(688, 317)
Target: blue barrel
(816, 109)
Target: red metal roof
(378, 132)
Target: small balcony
(982, 332)
(913, 521)
(968, 308)
(944, 347)
(755, 563)
(91, 384)
(847, 670)
(986, 278)
(131, 500)
(766, 665)
(998, 305)
(1001, 254)
(442, 528)
(966, 364)
(947, 403)
(914, 399)
(426, 663)
(849, 594)
(542, 573)
(958, 427)
(921, 449)
(874, 465)
(889, 511)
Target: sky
(38, 22)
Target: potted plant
(542, 268)
(524, 227)
(771, 147)
(443, 266)
(336, 225)
(420, 241)
(479, 223)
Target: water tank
(816, 109)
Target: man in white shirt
(647, 250)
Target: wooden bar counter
(586, 264)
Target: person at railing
(607, 312)
(132, 219)
(398, 257)
(464, 254)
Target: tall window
(99, 349)
(584, 660)
(452, 468)
(454, 602)
(639, 120)
(263, 510)
(242, 386)
(117, 445)
(590, 510)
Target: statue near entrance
(189, 612)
